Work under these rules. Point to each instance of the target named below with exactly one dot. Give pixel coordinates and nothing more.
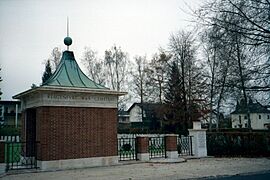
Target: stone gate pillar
(199, 147)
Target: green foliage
(48, 72)
(13, 152)
(174, 99)
(9, 131)
(248, 144)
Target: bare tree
(254, 15)
(139, 77)
(55, 58)
(116, 63)
(116, 69)
(239, 38)
(183, 52)
(94, 66)
(157, 74)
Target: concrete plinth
(143, 156)
(78, 163)
(172, 154)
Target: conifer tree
(174, 99)
(48, 72)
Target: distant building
(123, 120)
(259, 116)
(10, 113)
(143, 116)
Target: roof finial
(67, 27)
(67, 40)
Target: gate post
(199, 147)
(142, 148)
(2, 158)
(171, 146)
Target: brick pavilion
(72, 119)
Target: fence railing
(20, 155)
(10, 138)
(156, 147)
(127, 149)
(184, 145)
(127, 146)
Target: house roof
(253, 108)
(147, 106)
(69, 74)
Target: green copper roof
(69, 74)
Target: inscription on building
(93, 98)
(72, 99)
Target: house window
(245, 125)
(239, 119)
(245, 117)
(260, 116)
(268, 116)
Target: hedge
(246, 144)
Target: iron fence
(157, 147)
(127, 149)
(184, 145)
(20, 155)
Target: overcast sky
(30, 29)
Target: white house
(259, 116)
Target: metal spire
(67, 40)
(67, 27)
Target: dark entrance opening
(30, 132)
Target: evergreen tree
(174, 120)
(48, 72)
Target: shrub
(251, 144)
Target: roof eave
(70, 89)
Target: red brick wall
(142, 144)
(71, 132)
(171, 143)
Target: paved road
(259, 176)
(194, 168)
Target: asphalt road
(257, 176)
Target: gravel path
(194, 168)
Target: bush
(250, 144)
(9, 131)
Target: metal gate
(184, 145)
(20, 155)
(127, 149)
(157, 147)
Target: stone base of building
(77, 163)
(2, 169)
(172, 154)
(143, 156)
